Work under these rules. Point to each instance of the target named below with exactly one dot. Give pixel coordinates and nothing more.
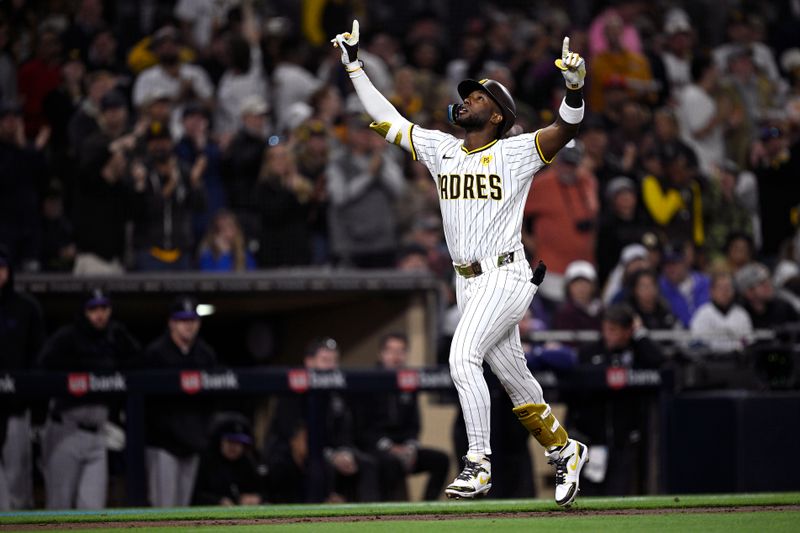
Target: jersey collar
(476, 150)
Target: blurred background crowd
(223, 136)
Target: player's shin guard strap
(537, 418)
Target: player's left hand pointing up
(572, 66)
(348, 44)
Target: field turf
(774, 512)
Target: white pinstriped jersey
(482, 192)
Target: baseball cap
(112, 100)
(184, 308)
(96, 297)
(579, 270)
(632, 252)
(194, 108)
(165, 33)
(253, 105)
(236, 431)
(619, 184)
(751, 275)
(673, 253)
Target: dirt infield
(143, 524)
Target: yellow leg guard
(537, 418)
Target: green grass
(774, 522)
(445, 507)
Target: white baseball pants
(491, 306)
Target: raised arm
(552, 138)
(386, 119)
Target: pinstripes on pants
(491, 306)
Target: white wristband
(353, 67)
(570, 114)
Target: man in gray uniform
(73, 446)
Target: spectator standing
(618, 61)
(166, 195)
(684, 289)
(622, 224)
(725, 212)
(705, 115)
(776, 165)
(241, 162)
(21, 337)
(363, 182)
(677, 52)
(283, 200)
(223, 248)
(37, 77)
(243, 77)
(176, 428)
(197, 144)
(674, 201)
(181, 82)
(21, 173)
(85, 121)
(228, 472)
(721, 324)
(292, 83)
(389, 427)
(74, 459)
(102, 196)
(560, 218)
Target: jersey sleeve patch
(539, 149)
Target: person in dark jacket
(176, 427)
(102, 198)
(350, 474)
(21, 338)
(228, 472)
(644, 296)
(765, 308)
(614, 424)
(166, 196)
(73, 446)
(389, 427)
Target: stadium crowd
(222, 136)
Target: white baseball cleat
(569, 461)
(474, 481)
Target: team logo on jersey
(470, 187)
(485, 160)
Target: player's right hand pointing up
(348, 44)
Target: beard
(470, 122)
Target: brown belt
(471, 270)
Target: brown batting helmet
(499, 94)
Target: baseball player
(483, 182)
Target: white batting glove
(348, 43)
(572, 66)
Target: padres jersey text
(482, 192)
